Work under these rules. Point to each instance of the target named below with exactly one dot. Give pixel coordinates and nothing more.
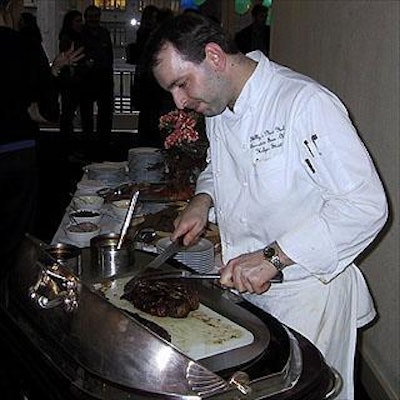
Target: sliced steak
(170, 298)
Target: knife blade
(169, 251)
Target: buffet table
(85, 342)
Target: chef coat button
(243, 220)
(244, 183)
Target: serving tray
(220, 334)
(203, 333)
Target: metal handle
(240, 380)
(337, 385)
(53, 288)
(128, 218)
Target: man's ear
(215, 56)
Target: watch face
(269, 252)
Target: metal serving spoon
(146, 235)
(128, 218)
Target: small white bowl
(88, 202)
(120, 208)
(83, 215)
(82, 233)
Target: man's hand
(248, 273)
(191, 223)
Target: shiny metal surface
(128, 218)
(109, 347)
(155, 262)
(67, 255)
(106, 259)
(55, 288)
(336, 387)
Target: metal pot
(67, 255)
(106, 259)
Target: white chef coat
(287, 165)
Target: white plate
(199, 257)
(202, 245)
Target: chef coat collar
(251, 90)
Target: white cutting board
(203, 333)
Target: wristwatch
(271, 256)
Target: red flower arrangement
(181, 128)
(185, 146)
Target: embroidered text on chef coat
(266, 143)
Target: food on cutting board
(172, 298)
(159, 330)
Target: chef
(289, 181)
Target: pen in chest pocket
(307, 144)
(314, 138)
(309, 165)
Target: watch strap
(271, 256)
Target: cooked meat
(170, 298)
(163, 220)
(159, 330)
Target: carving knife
(191, 275)
(156, 262)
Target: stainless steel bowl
(67, 255)
(106, 259)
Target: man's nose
(180, 100)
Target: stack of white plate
(199, 257)
(146, 165)
(89, 186)
(108, 173)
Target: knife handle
(278, 278)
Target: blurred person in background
(71, 78)
(256, 35)
(98, 85)
(148, 23)
(28, 94)
(27, 25)
(149, 98)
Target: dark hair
(147, 16)
(28, 26)
(188, 33)
(66, 28)
(92, 9)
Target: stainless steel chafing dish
(87, 347)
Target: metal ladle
(128, 218)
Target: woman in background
(70, 79)
(27, 89)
